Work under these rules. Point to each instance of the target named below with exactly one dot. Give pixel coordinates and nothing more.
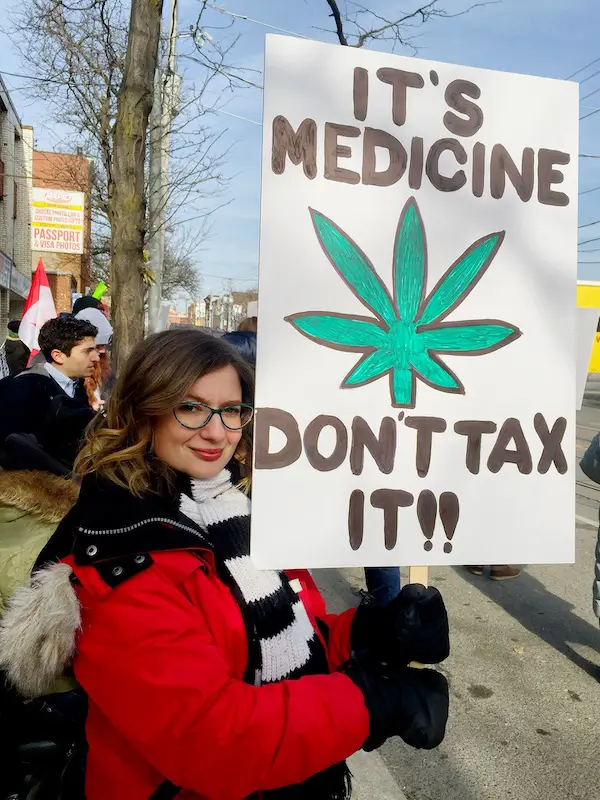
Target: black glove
(411, 627)
(406, 702)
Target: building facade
(222, 311)
(197, 313)
(16, 158)
(70, 176)
(247, 301)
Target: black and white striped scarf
(282, 642)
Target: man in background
(49, 401)
(17, 352)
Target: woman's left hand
(412, 627)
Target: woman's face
(201, 453)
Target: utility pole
(166, 91)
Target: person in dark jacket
(245, 343)
(49, 400)
(590, 465)
(207, 677)
(17, 352)
(87, 301)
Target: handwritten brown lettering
(552, 443)
(300, 146)
(425, 427)
(356, 518)
(311, 443)
(511, 431)
(446, 183)
(382, 448)
(335, 151)
(502, 165)
(397, 158)
(390, 500)
(473, 429)
(548, 176)
(360, 93)
(267, 418)
(400, 81)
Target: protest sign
(416, 354)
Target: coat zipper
(135, 525)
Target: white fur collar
(38, 631)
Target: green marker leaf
(406, 333)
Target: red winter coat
(162, 657)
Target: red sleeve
(148, 661)
(338, 625)
(339, 648)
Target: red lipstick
(207, 455)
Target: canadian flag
(39, 308)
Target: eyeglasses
(194, 415)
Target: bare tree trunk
(127, 200)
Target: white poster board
(57, 220)
(416, 351)
(587, 324)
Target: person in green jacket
(32, 503)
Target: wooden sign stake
(418, 575)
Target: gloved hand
(411, 627)
(406, 702)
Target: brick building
(16, 155)
(178, 318)
(67, 272)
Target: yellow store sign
(588, 296)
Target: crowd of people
(51, 398)
(129, 499)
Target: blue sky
(551, 38)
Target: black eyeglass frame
(214, 411)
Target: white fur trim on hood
(38, 631)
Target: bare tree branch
(339, 25)
(363, 24)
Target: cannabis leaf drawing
(408, 333)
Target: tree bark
(127, 201)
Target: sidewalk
(372, 779)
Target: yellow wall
(588, 296)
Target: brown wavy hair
(157, 376)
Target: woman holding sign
(206, 677)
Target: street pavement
(524, 675)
